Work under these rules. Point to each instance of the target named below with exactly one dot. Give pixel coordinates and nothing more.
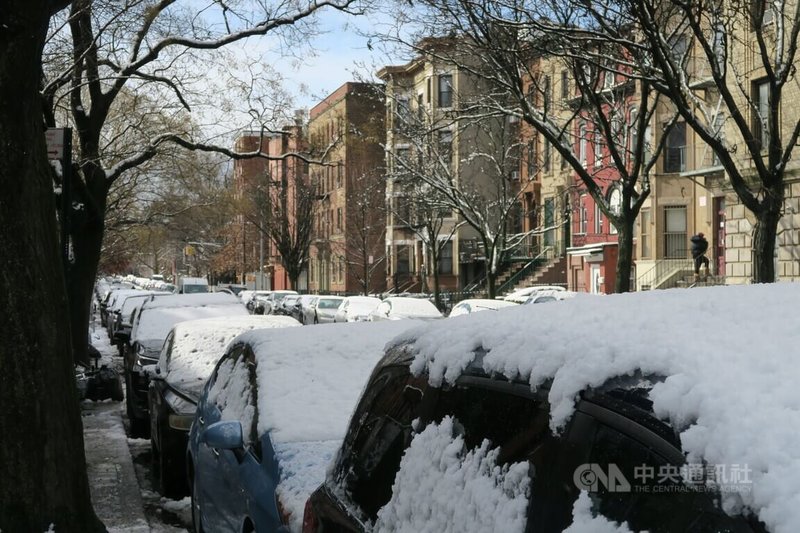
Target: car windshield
(329, 303)
(192, 289)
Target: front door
(595, 278)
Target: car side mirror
(224, 435)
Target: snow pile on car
(199, 344)
(156, 322)
(309, 382)
(728, 358)
(583, 521)
(442, 487)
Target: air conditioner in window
(514, 175)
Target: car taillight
(310, 522)
(282, 513)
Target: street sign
(54, 137)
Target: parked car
(271, 417)
(106, 308)
(301, 310)
(274, 298)
(323, 309)
(189, 285)
(517, 422)
(189, 355)
(286, 305)
(123, 313)
(521, 295)
(401, 308)
(474, 305)
(356, 308)
(545, 296)
(151, 325)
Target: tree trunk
(764, 234)
(491, 282)
(624, 255)
(41, 440)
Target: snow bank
(730, 356)
(441, 487)
(584, 522)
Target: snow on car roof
(729, 356)
(155, 323)
(198, 344)
(193, 300)
(310, 379)
(412, 306)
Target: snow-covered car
(151, 325)
(323, 309)
(303, 307)
(356, 309)
(545, 296)
(663, 411)
(521, 295)
(287, 304)
(401, 308)
(272, 416)
(190, 353)
(475, 305)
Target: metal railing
(666, 273)
(545, 255)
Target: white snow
(232, 392)
(198, 344)
(475, 305)
(156, 321)
(442, 487)
(584, 522)
(412, 307)
(309, 381)
(730, 356)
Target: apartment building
(347, 254)
(266, 197)
(428, 140)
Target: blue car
(271, 419)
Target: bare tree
(363, 247)
(103, 49)
(512, 48)
(44, 482)
(729, 70)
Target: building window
(403, 259)
(583, 216)
(564, 85)
(403, 110)
(531, 159)
(546, 156)
(598, 219)
(339, 175)
(761, 10)
(546, 93)
(446, 90)
(446, 258)
(446, 148)
(761, 113)
(339, 218)
(615, 203)
(675, 148)
(582, 144)
(598, 146)
(549, 221)
(645, 233)
(675, 238)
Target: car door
(215, 494)
(239, 469)
(157, 389)
(341, 314)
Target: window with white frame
(598, 219)
(583, 216)
(445, 90)
(582, 144)
(761, 111)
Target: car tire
(197, 519)
(140, 429)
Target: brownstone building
(347, 253)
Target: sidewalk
(115, 490)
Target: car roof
(726, 357)
(192, 300)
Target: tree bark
(44, 478)
(764, 235)
(624, 255)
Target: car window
(166, 352)
(329, 303)
(233, 391)
(377, 444)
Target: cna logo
(592, 477)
